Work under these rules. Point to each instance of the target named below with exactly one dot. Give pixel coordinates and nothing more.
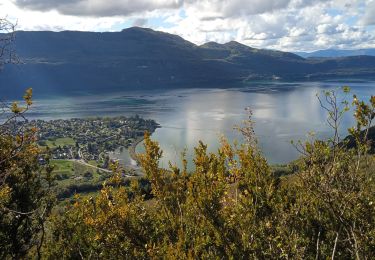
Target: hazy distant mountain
(139, 58)
(336, 53)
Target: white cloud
(101, 8)
(291, 25)
(231, 8)
(304, 25)
(140, 22)
(225, 8)
(369, 16)
(52, 20)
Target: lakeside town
(91, 139)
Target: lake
(282, 112)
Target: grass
(93, 163)
(63, 166)
(280, 170)
(60, 142)
(73, 177)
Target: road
(89, 165)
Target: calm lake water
(282, 112)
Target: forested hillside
(139, 58)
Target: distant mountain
(330, 53)
(139, 58)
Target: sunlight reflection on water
(282, 112)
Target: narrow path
(132, 154)
(89, 165)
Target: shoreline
(133, 146)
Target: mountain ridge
(334, 53)
(141, 58)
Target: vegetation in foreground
(232, 205)
(72, 177)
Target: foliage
(337, 188)
(25, 200)
(72, 177)
(233, 206)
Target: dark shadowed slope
(139, 58)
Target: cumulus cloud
(230, 8)
(303, 25)
(100, 8)
(290, 25)
(53, 21)
(140, 22)
(222, 8)
(369, 17)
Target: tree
(232, 206)
(25, 200)
(337, 186)
(7, 36)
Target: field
(74, 177)
(60, 142)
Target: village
(90, 139)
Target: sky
(288, 25)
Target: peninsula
(90, 140)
